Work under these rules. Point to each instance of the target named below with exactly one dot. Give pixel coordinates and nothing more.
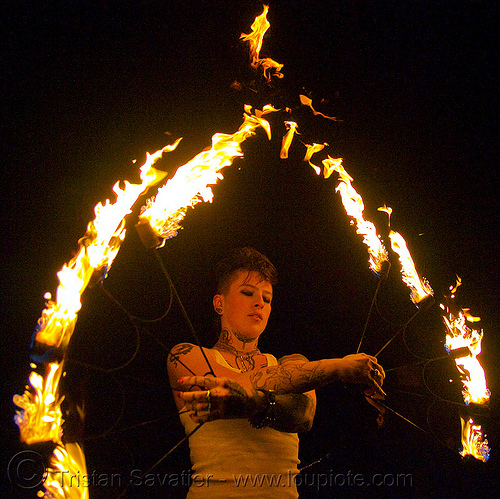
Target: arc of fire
(40, 417)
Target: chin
(251, 335)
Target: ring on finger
(375, 372)
(209, 401)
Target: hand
(218, 398)
(364, 370)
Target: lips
(256, 316)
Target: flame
(353, 204)
(313, 149)
(473, 442)
(474, 389)
(420, 288)
(41, 418)
(190, 184)
(254, 39)
(306, 101)
(454, 289)
(67, 476)
(472, 374)
(388, 210)
(97, 249)
(287, 139)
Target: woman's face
(247, 305)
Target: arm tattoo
(295, 356)
(182, 349)
(289, 378)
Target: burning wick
(191, 182)
(464, 345)
(354, 206)
(421, 292)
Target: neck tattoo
(242, 338)
(244, 360)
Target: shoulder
(295, 358)
(181, 352)
(181, 349)
(187, 350)
(187, 359)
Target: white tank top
(231, 459)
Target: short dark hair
(244, 259)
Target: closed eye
(246, 292)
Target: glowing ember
(473, 442)
(420, 288)
(306, 101)
(190, 184)
(287, 139)
(353, 204)
(313, 149)
(254, 39)
(67, 476)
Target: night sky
(90, 86)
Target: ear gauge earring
(218, 310)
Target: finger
(375, 385)
(199, 401)
(378, 389)
(202, 381)
(197, 418)
(376, 376)
(377, 372)
(373, 401)
(202, 413)
(377, 366)
(200, 407)
(201, 418)
(197, 396)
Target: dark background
(87, 87)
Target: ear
(217, 301)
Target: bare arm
(299, 377)
(295, 411)
(296, 376)
(232, 395)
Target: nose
(259, 302)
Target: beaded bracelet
(268, 416)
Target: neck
(234, 340)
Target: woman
(251, 405)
